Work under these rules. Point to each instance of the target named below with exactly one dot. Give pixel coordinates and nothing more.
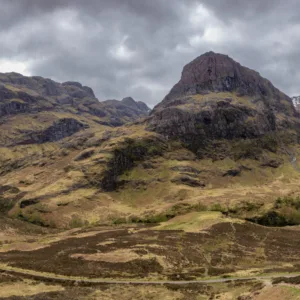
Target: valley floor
(199, 255)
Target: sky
(138, 48)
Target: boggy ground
(225, 248)
(209, 245)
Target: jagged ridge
(43, 105)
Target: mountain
(218, 99)
(128, 101)
(38, 110)
(223, 134)
(95, 192)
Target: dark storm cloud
(138, 48)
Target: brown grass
(26, 289)
(118, 256)
(279, 292)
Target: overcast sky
(138, 47)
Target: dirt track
(91, 281)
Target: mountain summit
(213, 72)
(217, 98)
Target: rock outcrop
(217, 98)
(57, 131)
(296, 102)
(127, 108)
(138, 106)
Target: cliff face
(213, 72)
(57, 131)
(38, 110)
(217, 98)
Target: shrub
(77, 222)
(6, 204)
(287, 202)
(84, 155)
(269, 142)
(247, 148)
(285, 212)
(200, 207)
(32, 217)
(248, 206)
(119, 221)
(291, 214)
(154, 219)
(218, 207)
(271, 218)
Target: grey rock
(272, 163)
(57, 131)
(72, 83)
(232, 173)
(197, 113)
(186, 180)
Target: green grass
(77, 222)
(285, 212)
(192, 221)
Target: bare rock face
(212, 72)
(217, 98)
(76, 89)
(129, 102)
(296, 102)
(143, 107)
(138, 106)
(57, 131)
(127, 108)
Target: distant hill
(36, 110)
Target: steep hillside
(224, 137)
(39, 110)
(217, 100)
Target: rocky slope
(217, 98)
(32, 108)
(66, 162)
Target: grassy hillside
(110, 175)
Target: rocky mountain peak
(129, 101)
(143, 106)
(217, 98)
(214, 72)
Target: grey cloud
(138, 48)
